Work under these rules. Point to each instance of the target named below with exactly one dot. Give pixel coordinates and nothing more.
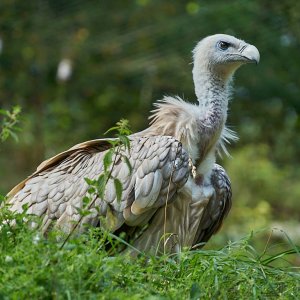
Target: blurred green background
(76, 67)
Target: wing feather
(143, 203)
(57, 188)
(217, 208)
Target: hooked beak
(249, 54)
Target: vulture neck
(212, 91)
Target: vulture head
(220, 55)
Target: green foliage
(8, 123)
(118, 187)
(122, 127)
(33, 266)
(36, 267)
(107, 160)
(263, 193)
(118, 149)
(122, 61)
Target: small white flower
(8, 259)
(36, 239)
(64, 69)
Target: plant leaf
(195, 291)
(119, 189)
(125, 141)
(89, 181)
(107, 160)
(101, 183)
(112, 129)
(85, 201)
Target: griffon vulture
(176, 195)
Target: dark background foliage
(124, 55)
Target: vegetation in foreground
(32, 266)
(89, 266)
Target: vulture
(174, 196)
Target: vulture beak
(250, 54)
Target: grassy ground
(32, 266)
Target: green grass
(32, 266)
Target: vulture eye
(223, 45)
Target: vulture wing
(217, 208)
(56, 190)
(191, 219)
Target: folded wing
(56, 190)
(217, 208)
